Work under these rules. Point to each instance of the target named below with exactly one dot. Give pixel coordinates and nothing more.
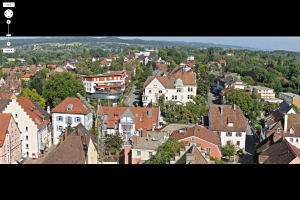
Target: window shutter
(79, 119)
(57, 128)
(57, 118)
(71, 120)
(75, 119)
(66, 119)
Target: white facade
(235, 137)
(294, 141)
(155, 89)
(32, 137)
(59, 122)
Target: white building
(229, 122)
(180, 87)
(72, 111)
(33, 122)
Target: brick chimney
(127, 154)
(144, 132)
(66, 133)
(285, 122)
(135, 140)
(61, 139)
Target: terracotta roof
(188, 78)
(6, 95)
(3, 104)
(219, 122)
(141, 116)
(104, 62)
(162, 67)
(27, 75)
(273, 118)
(293, 121)
(4, 123)
(77, 108)
(199, 132)
(71, 150)
(282, 78)
(36, 116)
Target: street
(133, 97)
(211, 100)
(251, 141)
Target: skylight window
(70, 106)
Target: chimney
(66, 133)
(285, 122)
(144, 132)
(234, 106)
(127, 154)
(61, 139)
(134, 140)
(48, 109)
(221, 109)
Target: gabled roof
(3, 104)
(141, 116)
(78, 106)
(218, 122)
(36, 116)
(71, 150)
(284, 107)
(4, 123)
(199, 132)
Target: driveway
(133, 98)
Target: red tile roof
(219, 122)
(141, 116)
(27, 75)
(78, 107)
(199, 132)
(4, 123)
(36, 116)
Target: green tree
(203, 83)
(166, 151)
(210, 54)
(114, 141)
(229, 149)
(60, 86)
(248, 79)
(33, 95)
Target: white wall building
(33, 124)
(179, 88)
(72, 111)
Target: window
(159, 91)
(166, 98)
(116, 116)
(27, 147)
(208, 149)
(70, 106)
(11, 124)
(150, 154)
(78, 119)
(291, 139)
(178, 89)
(190, 96)
(16, 115)
(190, 89)
(4, 148)
(174, 97)
(15, 131)
(228, 134)
(138, 153)
(26, 138)
(149, 91)
(238, 143)
(26, 129)
(238, 134)
(60, 118)
(12, 134)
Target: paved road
(251, 141)
(210, 100)
(133, 98)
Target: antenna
(98, 125)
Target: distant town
(124, 103)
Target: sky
(270, 43)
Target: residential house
(76, 147)
(13, 84)
(71, 112)
(230, 80)
(68, 65)
(179, 86)
(276, 150)
(2, 81)
(26, 77)
(105, 63)
(229, 122)
(163, 67)
(290, 98)
(10, 140)
(33, 122)
(130, 121)
(209, 140)
(138, 150)
(191, 154)
(7, 95)
(263, 92)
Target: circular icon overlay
(8, 43)
(8, 13)
(8, 21)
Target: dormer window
(292, 130)
(278, 129)
(70, 106)
(230, 124)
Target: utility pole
(98, 124)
